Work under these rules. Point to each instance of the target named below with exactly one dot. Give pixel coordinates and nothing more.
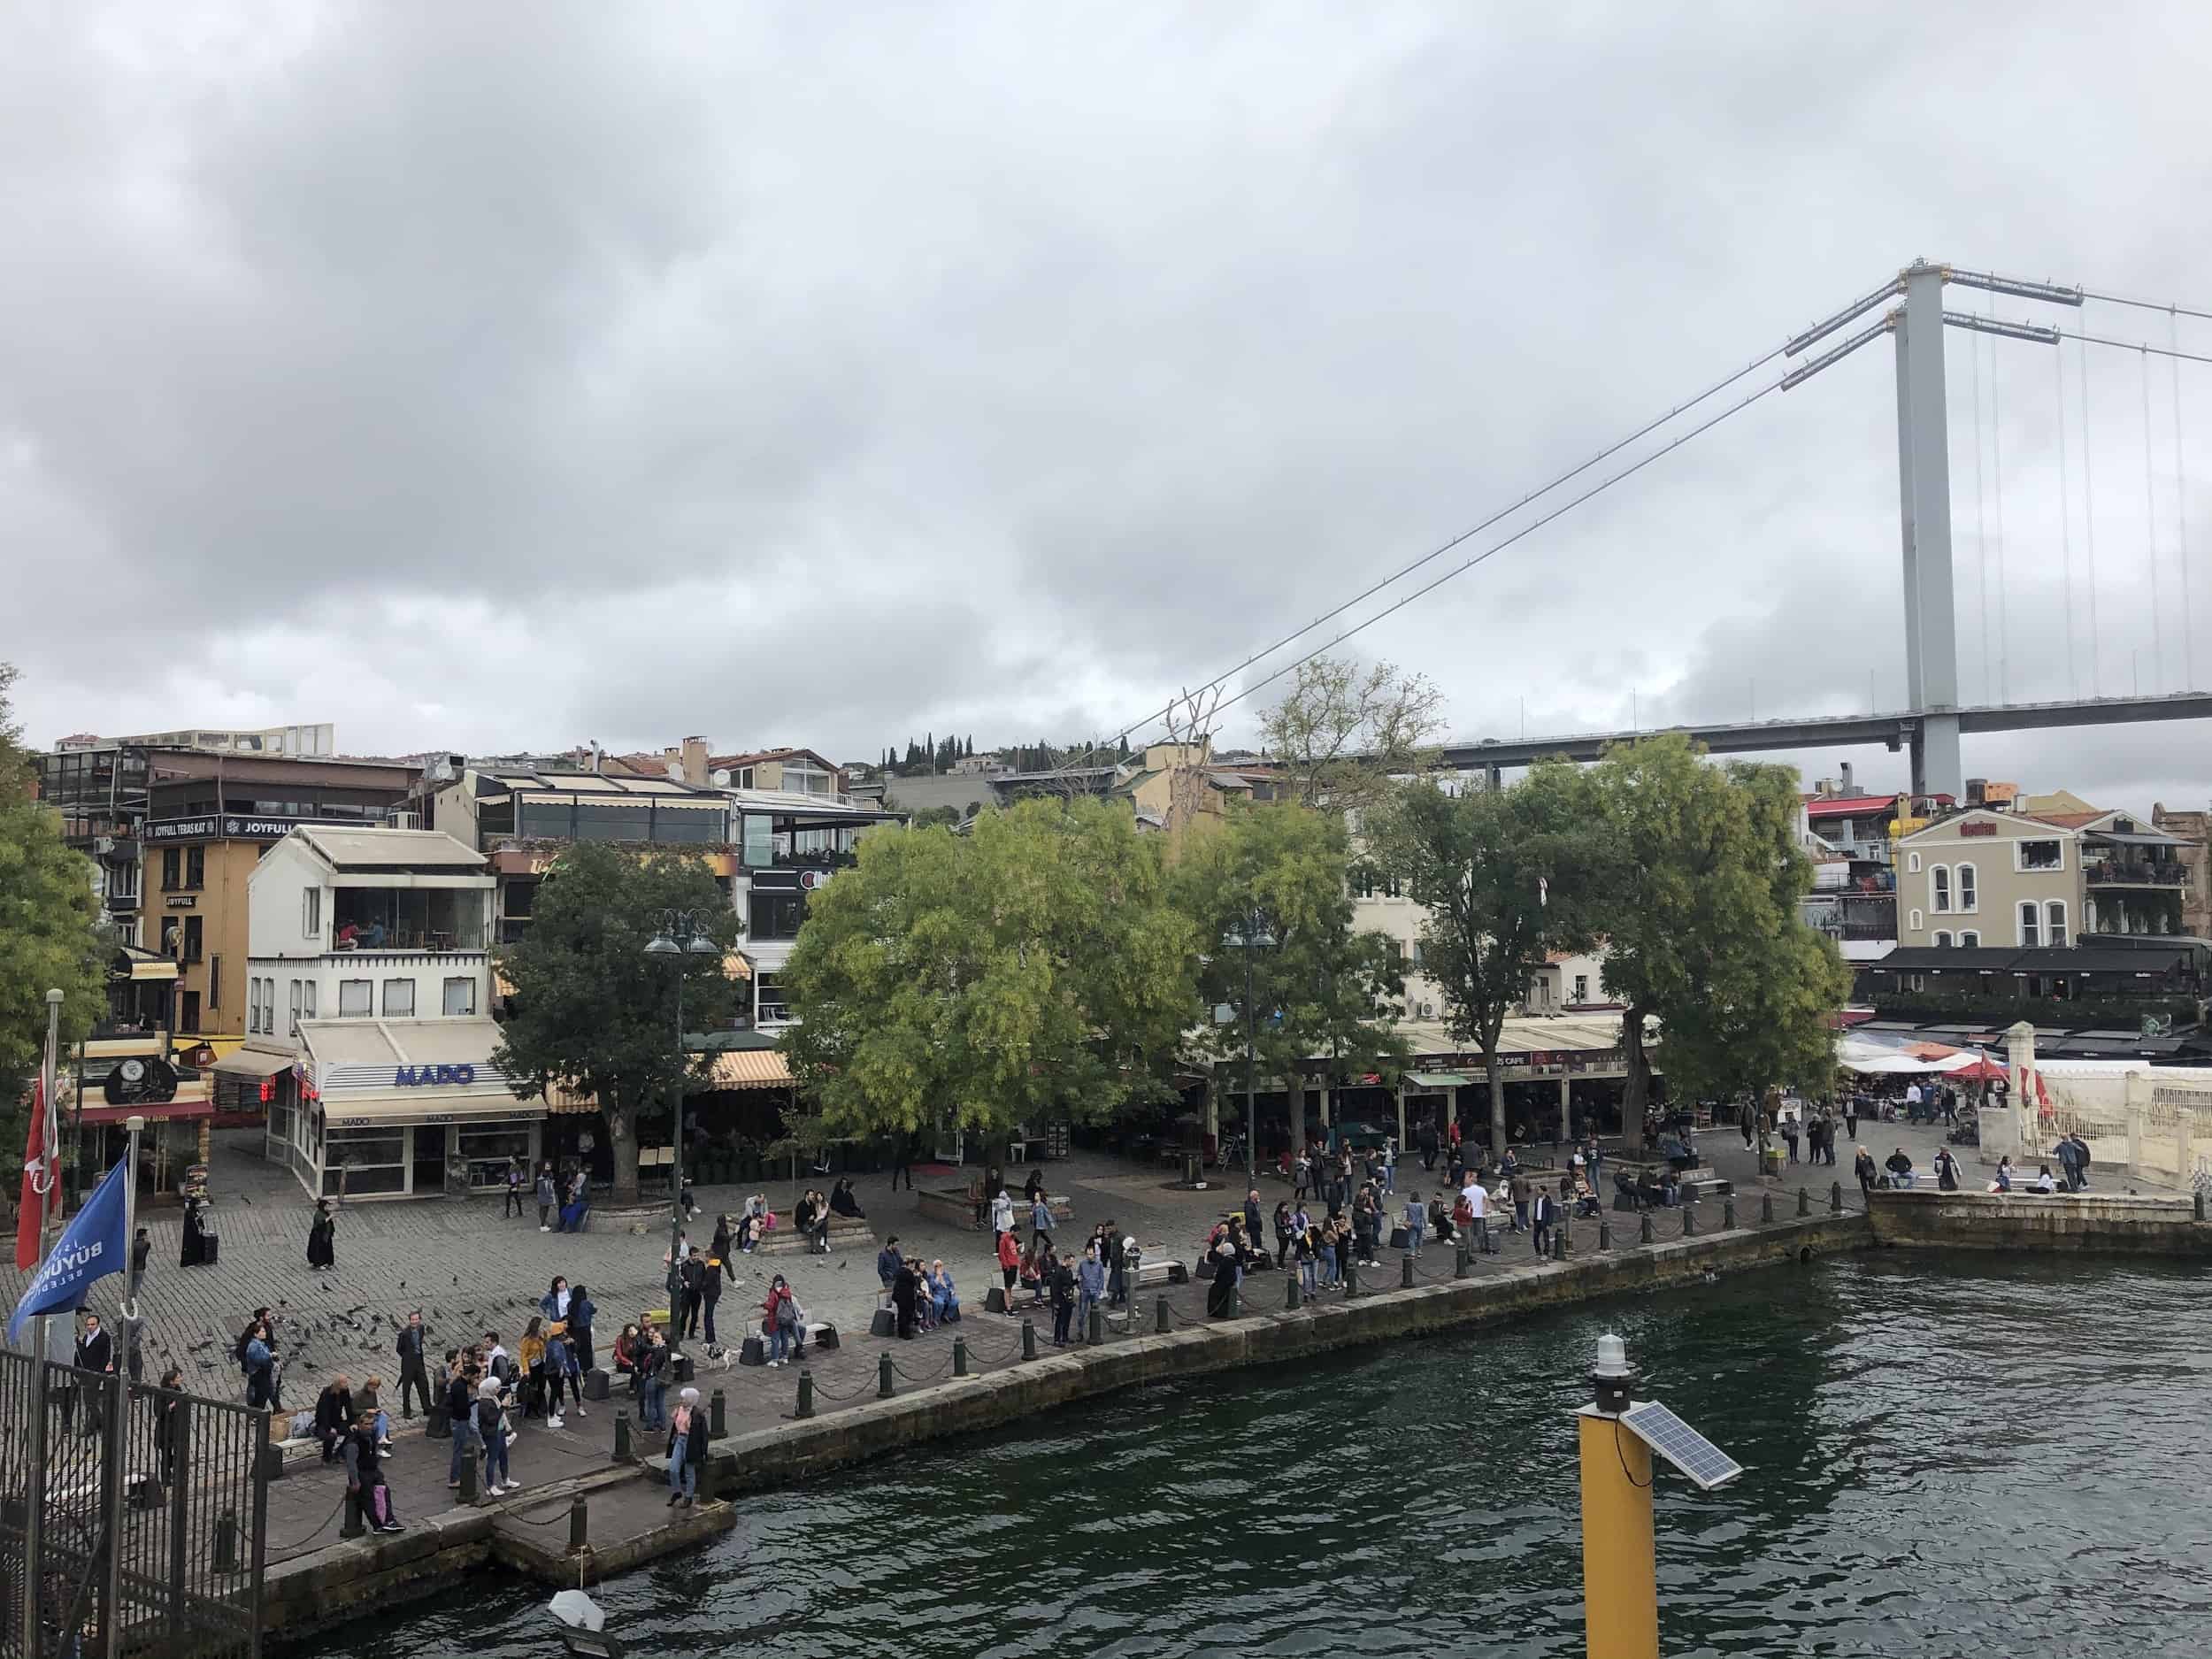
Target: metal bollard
(353, 1525)
(1405, 1271)
(1351, 1277)
(960, 1356)
(883, 1376)
(471, 1477)
(622, 1452)
(1235, 1310)
(2200, 1203)
(1159, 1315)
(1465, 1267)
(1605, 1233)
(1804, 1202)
(1728, 1214)
(1566, 1231)
(1766, 1206)
(1835, 1198)
(1644, 1233)
(716, 1420)
(1293, 1293)
(1689, 1221)
(1098, 1327)
(1558, 1245)
(226, 1557)
(1029, 1339)
(579, 1526)
(805, 1408)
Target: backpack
(787, 1314)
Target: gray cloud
(496, 377)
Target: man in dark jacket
(710, 1293)
(888, 1262)
(691, 1277)
(414, 1378)
(906, 1290)
(1061, 1276)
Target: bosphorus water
(1994, 1456)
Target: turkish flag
(29, 1218)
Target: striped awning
(560, 1100)
(153, 970)
(750, 1068)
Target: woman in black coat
(322, 1251)
(194, 1251)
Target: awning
(152, 1111)
(345, 1111)
(153, 970)
(1437, 1079)
(255, 1063)
(735, 967)
(566, 1102)
(750, 1068)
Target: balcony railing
(2161, 873)
(416, 939)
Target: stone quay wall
(2117, 1222)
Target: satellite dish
(442, 772)
(132, 1071)
(721, 777)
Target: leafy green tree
(1030, 968)
(1505, 878)
(1702, 875)
(1320, 989)
(50, 923)
(593, 1012)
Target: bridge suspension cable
(1997, 490)
(2150, 540)
(2089, 526)
(2065, 519)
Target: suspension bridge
(1933, 718)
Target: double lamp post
(683, 936)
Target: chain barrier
(836, 1397)
(943, 1365)
(298, 1546)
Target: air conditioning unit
(1428, 1011)
(103, 845)
(402, 819)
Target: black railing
(2165, 874)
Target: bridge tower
(1924, 480)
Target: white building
(368, 969)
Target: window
(1967, 886)
(1363, 880)
(1916, 921)
(192, 941)
(399, 999)
(1943, 942)
(215, 982)
(354, 999)
(1970, 941)
(169, 936)
(307, 1004)
(253, 1005)
(770, 991)
(195, 867)
(311, 913)
(775, 915)
(2054, 922)
(1912, 864)
(171, 858)
(1582, 987)
(759, 841)
(2030, 933)
(295, 1008)
(1940, 888)
(460, 997)
(189, 1018)
(2040, 855)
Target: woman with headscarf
(844, 1202)
(194, 1253)
(322, 1252)
(686, 1448)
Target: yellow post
(1620, 1581)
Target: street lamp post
(1251, 933)
(683, 935)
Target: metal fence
(132, 1518)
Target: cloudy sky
(490, 377)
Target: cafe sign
(435, 1076)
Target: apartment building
(1986, 877)
(367, 1000)
(2194, 830)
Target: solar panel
(1681, 1445)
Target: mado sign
(429, 1076)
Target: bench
(1156, 1266)
(787, 1240)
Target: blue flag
(91, 1247)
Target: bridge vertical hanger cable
(1997, 498)
(2181, 511)
(2065, 518)
(2089, 526)
(2150, 536)
(1981, 498)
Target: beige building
(1985, 878)
(2194, 830)
(1176, 787)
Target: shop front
(399, 1109)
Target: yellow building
(1176, 787)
